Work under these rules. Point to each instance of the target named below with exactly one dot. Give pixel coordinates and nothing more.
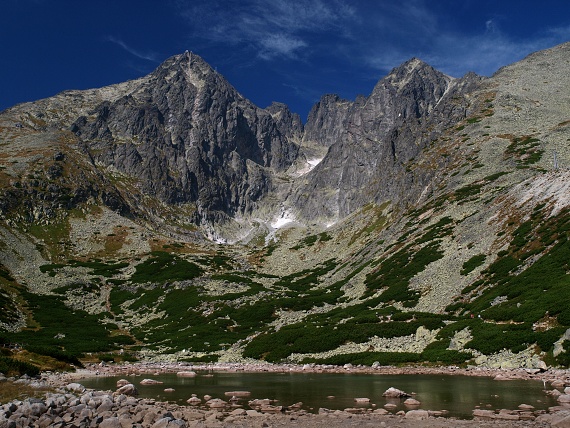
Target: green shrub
(100, 268)
(445, 356)
(369, 358)
(60, 327)
(56, 353)
(473, 263)
(164, 267)
(5, 273)
(495, 176)
(489, 338)
(468, 191)
(12, 367)
(396, 271)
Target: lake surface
(457, 394)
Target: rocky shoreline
(72, 405)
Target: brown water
(457, 394)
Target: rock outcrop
(184, 137)
(187, 136)
(373, 139)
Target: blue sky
(290, 51)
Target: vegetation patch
(311, 240)
(305, 279)
(164, 267)
(12, 367)
(325, 332)
(396, 271)
(397, 358)
(56, 353)
(217, 261)
(525, 150)
(98, 268)
(514, 294)
(5, 273)
(8, 309)
(71, 331)
(465, 192)
(473, 263)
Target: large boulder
(411, 402)
(216, 403)
(122, 382)
(417, 414)
(75, 387)
(111, 423)
(395, 393)
(150, 382)
(128, 389)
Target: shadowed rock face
(186, 135)
(372, 139)
(327, 120)
(288, 123)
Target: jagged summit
(192, 66)
(184, 135)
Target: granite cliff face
(187, 136)
(372, 140)
(184, 137)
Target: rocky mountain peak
(288, 123)
(326, 120)
(188, 63)
(371, 140)
(188, 136)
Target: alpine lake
(456, 394)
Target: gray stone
(105, 405)
(128, 389)
(395, 393)
(162, 423)
(112, 422)
(37, 409)
(559, 420)
(483, 414)
(417, 414)
(150, 382)
(75, 387)
(411, 402)
(122, 382)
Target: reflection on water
(457, 394)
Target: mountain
(375, 137)
(171, 218)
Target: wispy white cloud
(369, 36)
(452, 50)
(271, 28)
(149, 56)
(486, 52)
(280, 44)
